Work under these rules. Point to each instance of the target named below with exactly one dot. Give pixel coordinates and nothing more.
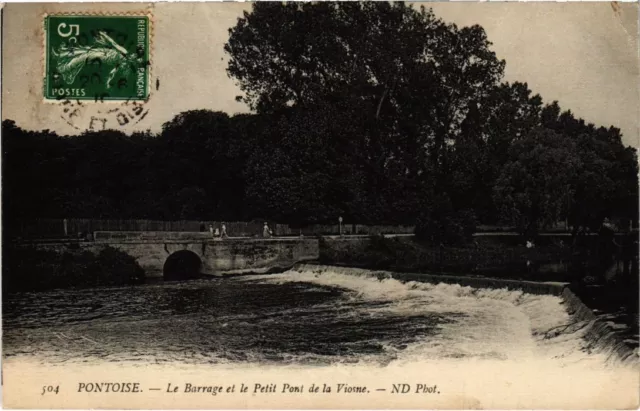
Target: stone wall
(219, 257)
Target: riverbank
(501, 257)
(33, 269)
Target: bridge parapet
(126, 236)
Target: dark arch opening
(182, 265)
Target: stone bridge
(170, 254)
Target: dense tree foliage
(535, 183)
(413, 78)
(373, 111)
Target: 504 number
(50, 389)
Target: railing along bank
(81, 227)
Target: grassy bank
(31, 269)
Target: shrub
(441, 224)
(31, 269)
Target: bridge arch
(182, 265)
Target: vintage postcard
(320, 205)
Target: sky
(585, 55)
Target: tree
(534, 184)
(299, 170)
(441, 224)
(413, 76)
(375, 111)
(201, 154)
(191, 203)
(510, 112)
(606, 185)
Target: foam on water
(503, 349)
(484, 348)
(496, 324)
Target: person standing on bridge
(266, 231)
(211, 229)
(223, 231)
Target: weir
(597, 333)
(180, 255)
(534, 344)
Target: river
(302, 317)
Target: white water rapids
(487, 323)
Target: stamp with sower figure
(96, 57)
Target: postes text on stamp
(96, 57)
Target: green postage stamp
(97, 57)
